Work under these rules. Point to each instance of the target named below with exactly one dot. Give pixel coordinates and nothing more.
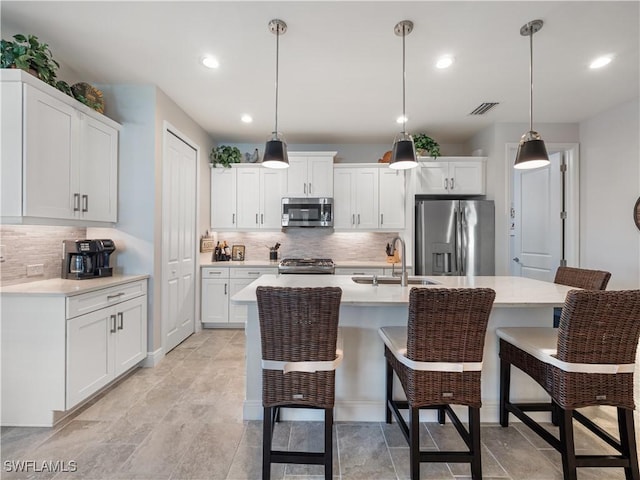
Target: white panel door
(272, 186)
(343, 198)
(98, 166)
(320, 176)
(392, 199)
(433, 178)
(537, 221)
(178, 241)
(366, 188)
(215, 300)
(223, 198)
(50, 156)
(131, 339)
(89, 358)
(248, 195)
(466, 178)
(296, 177)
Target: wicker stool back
(448, 326)
(298, 325)
(579, 278)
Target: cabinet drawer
(252, 272)
(359, 271)
(214, 272)
(89, 302)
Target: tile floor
(182, 420)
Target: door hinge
(563, 167)
(563, 215)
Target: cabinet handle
(382, 219)
(115, 295)
(256, 219)
(353, 219)
(358, 219)
(85, 203)
(262, 219)
(76, 202)
(253, 273)
(305, 188)
(446, 184)
(233, 218)
(113, 324)
(451, 183)
(214, 273)
(309, 188)
(120, 321)
(225, 288)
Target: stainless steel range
(307, 265)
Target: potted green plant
(27, 53)
(225, 156)
(426, 146)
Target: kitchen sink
(386, 280)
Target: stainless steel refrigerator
(455, 237)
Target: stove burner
(306, 265)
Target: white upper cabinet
(223, 198)
(452, 176)
(310, 174)
(59, 157)
(392, 198)
(259, 194)
(355, 198)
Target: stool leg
(505, 381)
(628, 443)
(389, 390)
(565, 420)
(441, 415)
(267, 433)
(328, 443)
(476, 448)
(554, 413)
(414, 442)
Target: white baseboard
(153, 358)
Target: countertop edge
(67, 288)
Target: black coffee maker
(82, 259)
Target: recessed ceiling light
(402, 119)
(246, 118)
(601, 61)
(210, 62)
(445, 61)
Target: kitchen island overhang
(360, 388)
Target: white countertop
(510, 291)
(267, 263)
(61, 286)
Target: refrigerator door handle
(463, 243)
(458, 250)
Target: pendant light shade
(275, 150)
(403, 152)
(532, 152)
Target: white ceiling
(341, 63)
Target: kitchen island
(365, 308)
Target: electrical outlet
(35, 270)
(2, 248)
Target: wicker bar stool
(438, 359)
(589, 360)
(299, 332)
(579, 278)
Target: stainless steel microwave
(307, 212)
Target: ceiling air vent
(483, 108)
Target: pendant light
(531, 151)
(275, 151)
(403, 152)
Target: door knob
(517, 260)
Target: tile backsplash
(311, 242)
(31, 245)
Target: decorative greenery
(225, 156)
(426, 146)
(64, 87)
(27, 53)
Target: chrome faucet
(404, 276)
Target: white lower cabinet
(103, 344)
(219, 284)
(58, 350)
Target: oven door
(307, 212)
